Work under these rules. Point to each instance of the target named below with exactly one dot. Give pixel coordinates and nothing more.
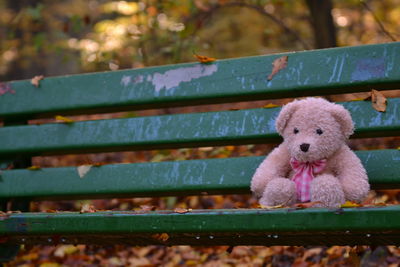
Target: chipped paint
(6, 88)
(126, 80)
(369, 68)
(173, 78)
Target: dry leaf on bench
(36, 80)
(63, 119)
(272, 207)
(378, 101)
(349, 204)
(161, 237)
(83, 170)
(86, 208)
(181, 210)
(204, 59)
(33, 168)
(278, 64)
(270, 106)
(306, 205)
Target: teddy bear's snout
(304, 147)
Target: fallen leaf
(354, 258)
(33, 168)
(272, 207)
(36, 80)
(51, 211)
(161, 237)
(83, 170)
(277, 65)
(270, 106)
(87, 208)
(181, 210)
(349, 204)
(147, 208)
(306, 205)
(204, 59)
(99, 164)
(63, 119)
(378, 101)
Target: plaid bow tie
(303, 175)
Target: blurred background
(77, 36)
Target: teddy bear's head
(314, 128)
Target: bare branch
(366, 6)
(207, 13)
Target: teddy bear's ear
(284, 116)
(343, 117)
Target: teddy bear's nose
(304, 147)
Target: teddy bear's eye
(319, 131)
(295, 131)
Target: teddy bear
(313, 163)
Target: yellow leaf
(272, 207)
(349, 204)
(83, 170)
(378, 101)
(34, 168)
(36, 80)
(278, 65)
(270, 105)
(64, 119)
(204, 59)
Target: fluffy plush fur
(344, 177)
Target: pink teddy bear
(313, 163)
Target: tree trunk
(322, 23)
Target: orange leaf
(204, 59)
(378, 101)
(33, 168)
(161, 237)
(306, 205)
(51, 211)
(277, 65)
(181, 210)
(36, 80)
(63, 119)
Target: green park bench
(308, 73)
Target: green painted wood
(172, 131)
(362, 226)
(189, 177)
(320, 72)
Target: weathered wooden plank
(189, 177)
(320, 72)
(172, 131)
(354, 226)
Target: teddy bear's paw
(327, 192)
(280, 191)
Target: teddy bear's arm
(275, 165)
(352, 175)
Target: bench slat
(172, 131)
(189, 177)
(320, 72)
(353, 226)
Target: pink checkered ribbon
(303, 175)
